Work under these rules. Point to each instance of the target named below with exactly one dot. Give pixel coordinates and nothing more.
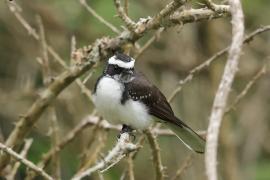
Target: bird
(123, 95)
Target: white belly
(108, 103)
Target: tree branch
(149, 42)
(254, 79)
(27, 145)
(215, 7)
(15, 9)
(24, 161)
(158, 20)
(183, 167)
(221, 97)
(93, 155)
(140, 142)
(100, 18)
(86, 153)
(209, 61)
(159, 169)
(130, 167)
(119, 151)
(67, 139)
(131, 25)
(195, 15)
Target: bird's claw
(129, 130)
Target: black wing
(140, 89)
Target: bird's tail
(190, 138)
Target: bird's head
(120, 67)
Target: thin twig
(100, 18)
(45, 58)
(27, 145)
(92, 156)
(51, 111)
(67, 139)
(194, 71)
(209, 61)
(249, 85)
(72, 134)
(149, 42)
(215, 7)
(100, 176)
(131, 25)
(27, 121)
(24, 161)
(90, 74)
(224, 88)
(72, 51)
(183, 167)
(84, 89)
(126, 7)
(56, 167)
(130, 167)
(159, 169)
(86, 154)
(119, 151)
(81, 84)
(194, 15)
(133, 156)
(210, 4)
(15, 9)
(158, 20)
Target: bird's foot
(127, 129)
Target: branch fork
(119, 151)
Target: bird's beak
(128, 72)
(126, 76)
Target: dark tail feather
(190, 138)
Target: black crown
(123, 57)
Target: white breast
(108, 103)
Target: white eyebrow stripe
(122, 64)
